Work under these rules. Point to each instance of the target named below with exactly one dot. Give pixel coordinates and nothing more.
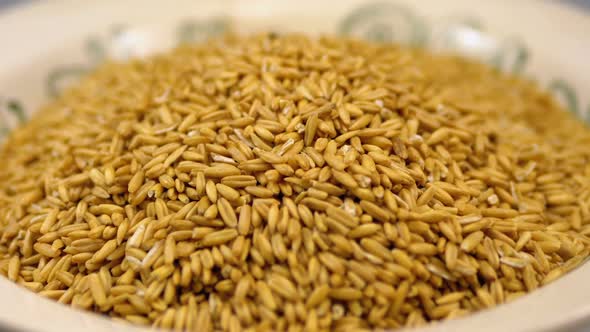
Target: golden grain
(423, 249)
(219, 237)
(287, 183)
(471, 241)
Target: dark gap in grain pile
(294, 184)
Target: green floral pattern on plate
(11, 112)
(566, 94)
(385, 22)
(192, 31)
(512, 56)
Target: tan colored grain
(277, 183)
(219, 237)
(282, 286)
(46, 250)
(423, 249)
(471, 241)
(14, 268)
(227, 212)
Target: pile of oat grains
(272, 183)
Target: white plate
(47, 44)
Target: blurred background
(583, 4)
(559, 87)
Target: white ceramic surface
(46, 45)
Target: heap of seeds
(288, 183)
